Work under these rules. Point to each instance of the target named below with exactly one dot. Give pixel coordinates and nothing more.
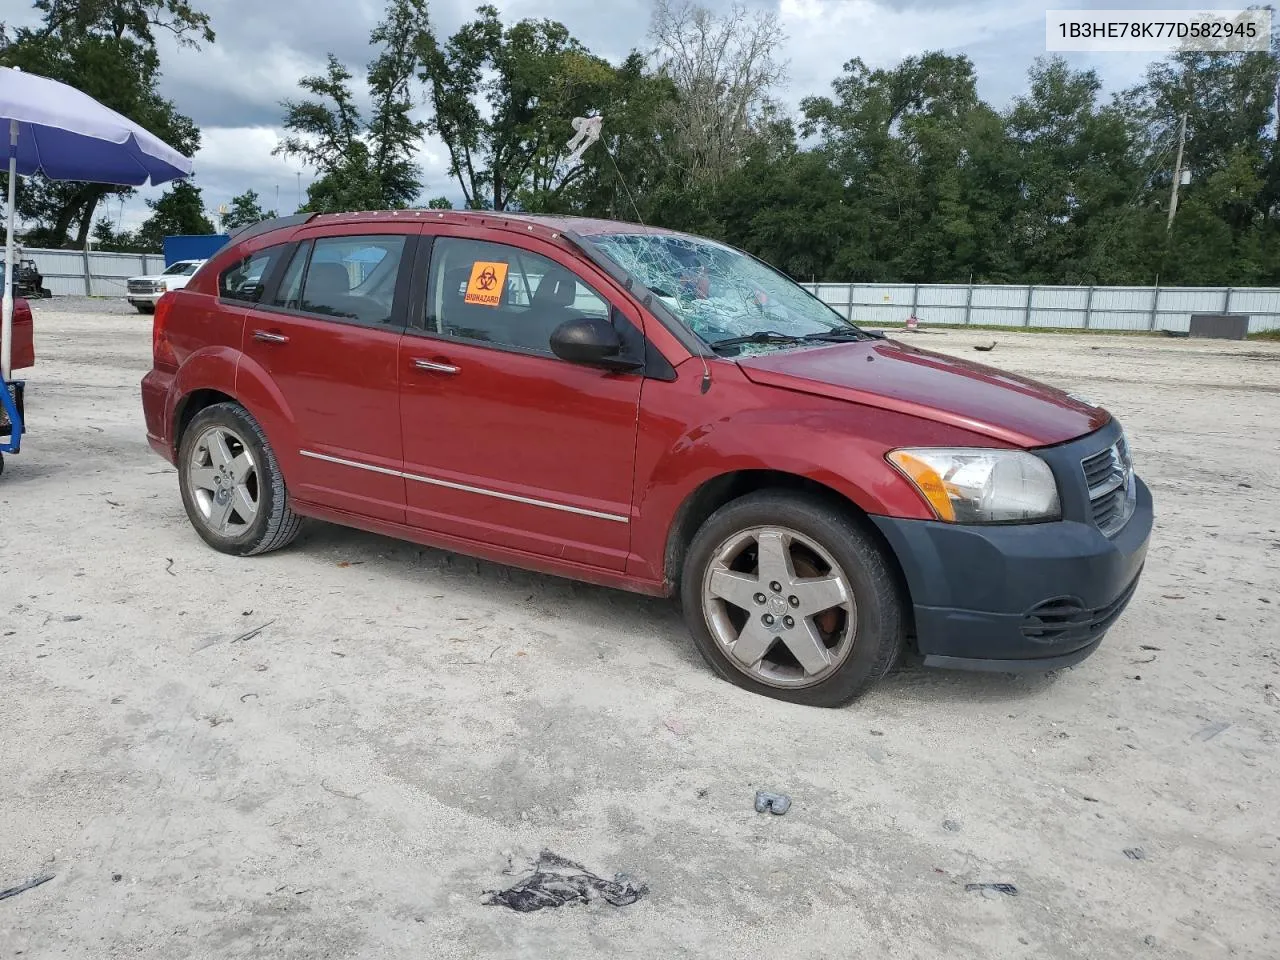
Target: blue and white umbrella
(65, 134)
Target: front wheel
(789, 597)
(231, 484)
(145, 307)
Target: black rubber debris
(1008, 889)
(556, 881)
(25, 886)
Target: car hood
(894, 376)
(154, 277)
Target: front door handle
(434, 366)
(267, 336)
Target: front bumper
(1033, 596)
(144, 298)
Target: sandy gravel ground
(348, 782)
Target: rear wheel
(788, 596)
(232, 487)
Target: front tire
(231, 483)
(788, 596)
(145, 307)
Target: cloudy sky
(233, 88)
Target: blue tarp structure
(199, 246)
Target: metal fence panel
(1100, 308)
(1005, 305)
(64, 271)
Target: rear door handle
(434, 366)
(266, 336)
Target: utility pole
(1177, 174)
(298, 206)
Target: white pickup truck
(145, 291)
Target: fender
(257, 390)
(229, 371)
(209, 368)
(829, 441)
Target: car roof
(502, 220)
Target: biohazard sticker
(486, 283)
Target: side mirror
(591, 341)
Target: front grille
(1109, 477)
(1065, 619)
(142, 286)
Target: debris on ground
(1135, 853)
(168, 567)
(556, 881)
(25, 886)
(1211, 731)
(952, 826)
(775, 803)
(252, 633)
(985, 349)
(1008, 889)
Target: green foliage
(503, 99)
(362, 165)
(178, 212)
(246, 209)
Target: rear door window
(351, 278)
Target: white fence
(77, 273)
(1085, 308)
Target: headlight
(161, 287)
(967, 485)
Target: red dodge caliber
(651, 411)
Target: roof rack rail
(264, 226)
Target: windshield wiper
(760, 336)
(838, 335)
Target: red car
(650, 411)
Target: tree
(122, 18)
(503, 99)
(724, 73)
(107, 49)
(246, 209)
(178, 212)
(362, 166)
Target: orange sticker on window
(486, 283)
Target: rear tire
(789, 596)
(231, 483)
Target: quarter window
(246, 280)
(495, 293)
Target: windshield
(182, 267)
(721, 293)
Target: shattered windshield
(726, 297)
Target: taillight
(161, 350)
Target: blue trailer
(193, 247)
